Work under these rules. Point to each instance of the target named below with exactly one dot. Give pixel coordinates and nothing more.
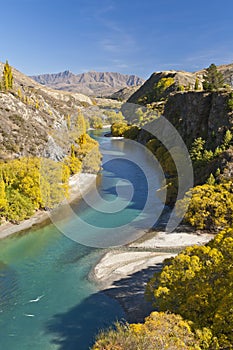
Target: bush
(118, 129)
(162, 86)
(132, 132)
(28, 184)
(19, 207)
(113, 116)
(160, 331)
(211, 206)
(197, 284)
(96, 122)
(88, 152)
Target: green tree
(230, 102)
(213, 80)
(196, 86)
(227, 139)
(211, 180)
(197, 149)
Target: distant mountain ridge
(91, 83)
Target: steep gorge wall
(197, 114)
(200, 114)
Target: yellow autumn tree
(3, 199)
(198, 284)
(211, 206)
(88, 152)
(160, 331)
(28, 184)
(7, 77)
(80, 124)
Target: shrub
(211, 206)
(96, 122)
(118, 129)
(132, 132)
(161, 86)
(160, 331)
(197, 284)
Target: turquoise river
(47, 300)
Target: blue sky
(127, 36)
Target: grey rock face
(91, 83)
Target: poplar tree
(7, 78)
(196, 86)
(80, 124)
(3, 199)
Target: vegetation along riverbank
(186, 275)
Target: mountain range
(91, 83)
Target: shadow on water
(76, 329)
(130, 293)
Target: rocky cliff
(33, 118)
(194, 113)
(90, 83)
(200, 114)
(124, 94)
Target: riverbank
(41, 217)
(123, 273)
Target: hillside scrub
(161, 331)
(197, 284)
(31, 183)
(210, 207)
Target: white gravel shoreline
(117, 264)
(123, 273)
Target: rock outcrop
(200, 114)
(124, 94)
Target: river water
(46, 299)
